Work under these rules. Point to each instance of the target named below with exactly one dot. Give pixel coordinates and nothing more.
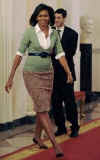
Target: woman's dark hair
(61, 11)
(36, 12)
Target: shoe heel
(58, 155)
(40, 146)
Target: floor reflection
(23, 135)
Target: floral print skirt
(39, 86)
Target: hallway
(20, 137)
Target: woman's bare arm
(16, 63)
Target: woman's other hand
(8, 85)
(69, 78)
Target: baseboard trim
(18, 122)
(90, 97)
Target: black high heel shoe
(58, 155)
(40, 146)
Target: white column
(73, 20)
(19, 90)
(58, 4)
(13, 24)
(6, 31)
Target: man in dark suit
(62, 91)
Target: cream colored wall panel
(92, 8)
(6, 37)
(19, 90)
(96, 70)
(59, 3)
(13, 23)
(68, 6)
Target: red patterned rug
(84, 147)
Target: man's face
(59, 20)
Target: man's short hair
(61, 11)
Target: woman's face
(43, 18)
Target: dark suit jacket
(69, 45)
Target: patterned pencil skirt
(39, 86)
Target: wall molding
(17, 123)
(96, 50)
(90, 97)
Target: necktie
(59, 31)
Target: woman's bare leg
(38, 128)
(38, 131)
(46, 123)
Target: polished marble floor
(19, 137)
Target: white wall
(19, 91)
(14, 16)
(13, 23)
(96, 71)
(92, 9)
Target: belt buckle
(43, 55)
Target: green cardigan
(30, 43)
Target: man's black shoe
(60, 132)
(75, 132)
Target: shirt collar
(60, 28)
(37, 29)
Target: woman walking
(39, 40)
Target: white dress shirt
(44, 42)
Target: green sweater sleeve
(24, 43)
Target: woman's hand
(16, 63)
(8, 85)
(69, 78)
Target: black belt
(42, 54)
